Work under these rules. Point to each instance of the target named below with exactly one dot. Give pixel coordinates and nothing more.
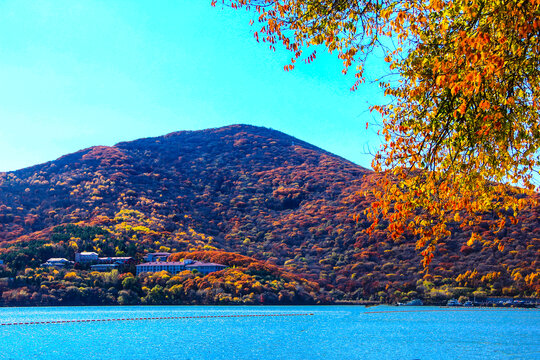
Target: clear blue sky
(75, 74)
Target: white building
(57, 262)
(86, 257)
(120, 260)
(156, 266)
(205, 268)
(179, 266)
(103, 267)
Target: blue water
(332, 332)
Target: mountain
(251, 191)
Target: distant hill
(252, 191)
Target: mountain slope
(253, 191)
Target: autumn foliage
(249, 197)
(460, 128)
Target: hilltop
(251, 191)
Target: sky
(75, 74)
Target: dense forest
(285, 215)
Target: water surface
(332, 332)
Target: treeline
(254, 284)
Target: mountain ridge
(173, 134)
(256, 192)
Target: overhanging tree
(461, 126)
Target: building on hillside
(103, 267)
(159, 256)
(156, 266)
(179, 266)
(57, 262)
(86, 257)
(120, 260)
(204, 268)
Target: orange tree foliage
(236, 260)
(462, 124)
(252, 191)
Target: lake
(331, 332)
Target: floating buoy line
(438, 310)
(147, 318)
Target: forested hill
(247, 190)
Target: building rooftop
(199, 263)
(163, 263)
(103, 265)
(181, 263)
